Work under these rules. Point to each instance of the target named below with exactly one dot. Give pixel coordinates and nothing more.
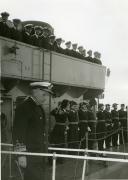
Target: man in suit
(29, 130)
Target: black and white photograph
(64, 89)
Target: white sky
(100, 25)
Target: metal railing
(84, 157)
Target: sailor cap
(45, 86)
(4, 14)
(114, 104)
(74, 44)
(80, 47)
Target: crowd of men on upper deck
(42, 37)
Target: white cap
(45, 86)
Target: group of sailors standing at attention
(74, 122)
(43, 38)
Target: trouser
(36, 168)
(109, 138)
(123, 135)
(100, 133)
(115, 137)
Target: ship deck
(72, 169)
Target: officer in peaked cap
(29, 130)
(80, 49)
(74, 51)
(27, 33)
(6, 25)
(57, 45)
(96, 58)
(51, 42)
(89, 57)
(115, 124)
(67, 49)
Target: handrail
(66, 156)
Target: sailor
(74, 53)
(97, 57)
(27, 33)
(45, 38)
(84, 54)
(100, 127)
(67, 49)
(73, 132)
(89, 57)
(5, 25)
(92, 125)
(57, 45)
(83, 124)
(29, 130)
(36, 38)
(59, 133)
(80, 49)
(115, 124)
(123, 123)
(108, 123)
(51, 42)
(17, 33)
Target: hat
(89, 51)
(28, 26)
(96, 52)
(45, 29)
(122, 104)
(80, 47)
(58, 39)
(16, 20)
(74, 44)
(107, 104)
(68, 42)
(52, 36)
(114, 104)
(38, 27)
(45, 86)
(72, 103)
(100, 105)
(4, 14)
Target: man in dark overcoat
(29, 131)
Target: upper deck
(32, 63)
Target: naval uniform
(123, 122)
(100, 129)
(92, 125)
(83, 125)
(108, 123)
(29, 131)
(115, 122)
(73, 134)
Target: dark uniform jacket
(123, 118)
(97, 61)
(29, 126)
(115, 118)
(108, 120)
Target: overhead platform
(28, 62)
